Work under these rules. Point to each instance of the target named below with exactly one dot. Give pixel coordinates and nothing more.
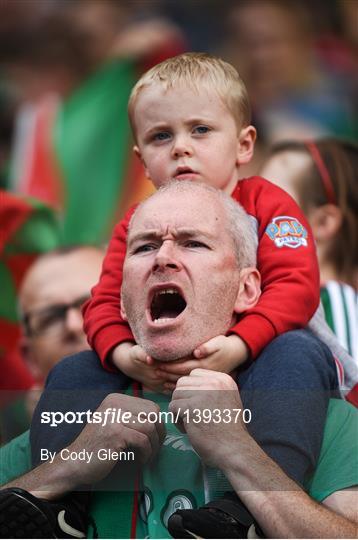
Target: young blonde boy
(190, 117)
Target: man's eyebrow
(142, 235)
(182, 232)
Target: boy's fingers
(139, 354)
(210, 347)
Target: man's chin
(168, 350)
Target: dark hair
(332, 178)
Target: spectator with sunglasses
(52, 293)
(321, 177)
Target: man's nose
(166, 259)
(74, 320)
(182, 146)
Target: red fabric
(103, 323)
(10, 333)
(42, 178)
(352, 396)
(290, 278)
(18, 264)
(13, 213)
(14, 375)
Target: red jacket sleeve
(287, 262)
(103, 323)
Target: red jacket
(286, 260)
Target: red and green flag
(27, 228)
(77, 155)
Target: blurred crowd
(67, 172)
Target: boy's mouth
(184, 173)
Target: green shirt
(175, 479)
(337, 466)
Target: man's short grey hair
(241, 226)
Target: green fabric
(8, 307)
(107, 506)
(14, 418)
(39, 233)
(340, 304)
(175, 479)
(327, 308)
(28, 228)
(337, 469)
(15, 458)
(119, 503)
(162, 492)
(338, 462)
(93, 144)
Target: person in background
(321, 177)
(50, 298)
(28, 229)
(295, 93)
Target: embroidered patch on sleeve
(287, 231)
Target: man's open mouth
(166, 304)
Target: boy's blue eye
(161, 136)
(201, 129)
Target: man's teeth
(168, 291)
(162, 321)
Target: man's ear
(139, 156)
(246, 143)
(325, 221)
(123, 311)
(249, 290)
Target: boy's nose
(181, 147)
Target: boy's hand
(132, 360)
(221, 353)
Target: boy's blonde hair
(198, 71)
